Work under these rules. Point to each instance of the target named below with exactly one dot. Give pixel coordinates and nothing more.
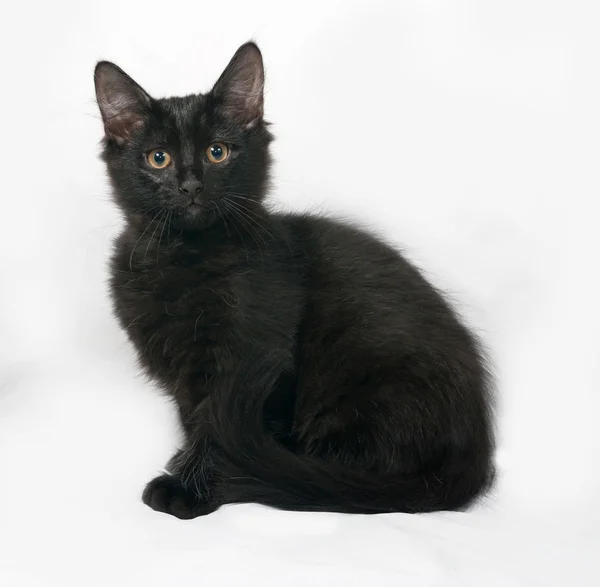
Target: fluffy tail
(258, 469)
(306, 488)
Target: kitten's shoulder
(335, 232)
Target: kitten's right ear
(239, 90)
(124, 105)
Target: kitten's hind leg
(168, 494)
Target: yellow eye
(217, 152)
(159, 159)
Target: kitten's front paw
(167, 494)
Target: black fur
(313, 367)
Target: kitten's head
(200, 157)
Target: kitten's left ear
(124, 104)
(239, 91)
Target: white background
(467, 132)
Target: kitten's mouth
(194, 208)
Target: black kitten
(312, 366)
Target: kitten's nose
(191, 187)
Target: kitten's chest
(177, 306)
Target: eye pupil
(160, 157)
(217, 152)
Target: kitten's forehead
(188, 118)
(185, 112)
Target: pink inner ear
(120, 114)
(123, 103)
(121, 127)
(240, 87)
(244, 101)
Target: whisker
(236, 229)
(151, 238)
(254, 213)
(221, 215)
(248, 211)
(250, 214)
(196, 324)
(160, 238)
(239, 210)
(248, 227)
(169, 229)
(139, 239)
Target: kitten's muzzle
(191, 187)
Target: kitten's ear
(124, 105)
(239, 91)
